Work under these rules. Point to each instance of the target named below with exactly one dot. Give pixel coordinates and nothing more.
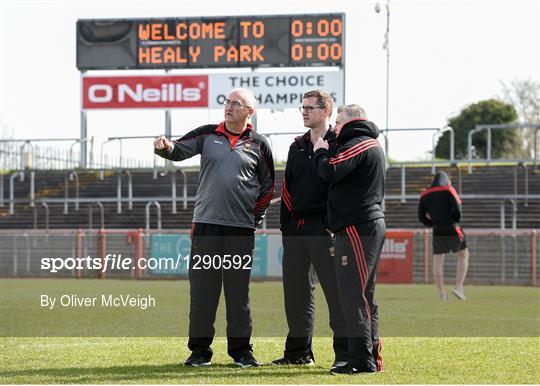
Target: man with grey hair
(356, 178)
(236, 184)
(350, 112)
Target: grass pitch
(492, 338)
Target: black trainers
(350, 370)
(302, 361)
(246, 361)
(196, 360)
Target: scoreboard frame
(301, 40)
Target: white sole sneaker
(444, 296)
(460, 294)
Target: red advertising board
(121, 92)
(396, 264)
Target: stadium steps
(50, 184)
(476, 214)
(144, 185)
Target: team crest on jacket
(343, 260)
(247, 146)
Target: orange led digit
(323, 27)
(336, 27)
(297, 52)
(336, 51)
(297, 28)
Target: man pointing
(236, 184)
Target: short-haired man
(356, 177)
(236, 184)
(306, 241)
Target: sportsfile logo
(145, 92)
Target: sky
(444, 55)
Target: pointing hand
(163, 142)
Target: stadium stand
(147, 186)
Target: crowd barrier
(496, 256)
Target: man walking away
(440, 208)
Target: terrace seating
(50, 187)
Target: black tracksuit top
(303, 192)
(355, 174)
(439, 206)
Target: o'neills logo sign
(396, 264)
(145, 92)
(394, 249)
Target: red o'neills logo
(143, 92)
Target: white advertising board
(275, 90)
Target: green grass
(158, 360)
(492, 338)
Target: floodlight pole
(387, 48)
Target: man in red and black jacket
(236, 184)
(356, 178)
(440, 208)
(306, 240)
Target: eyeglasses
(234, 104)
(309, 109)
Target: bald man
(236, 184)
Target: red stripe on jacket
(286, 196)
(459, 233)
(354, 151)
(446, 188)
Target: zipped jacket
(303, 192)
(355, 174)
(236, 179)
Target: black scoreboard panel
(266, 41)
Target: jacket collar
(222, 129)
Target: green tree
(504, 143)
(524, 95)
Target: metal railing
(147, 211)
(119, 190)
(19, 174)
(101, 214)
(514, 213)
(46, 207)
(488, 128)
(70, 176)
(25, 152)
(403, 178)
(29, 155)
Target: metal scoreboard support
(307, 40)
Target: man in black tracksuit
(306, 241)
(440, 208)
(356, 177)
(236, 184)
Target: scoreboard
(241, 41)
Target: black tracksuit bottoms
(306, 242)
(230, 244)
(358, 250)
